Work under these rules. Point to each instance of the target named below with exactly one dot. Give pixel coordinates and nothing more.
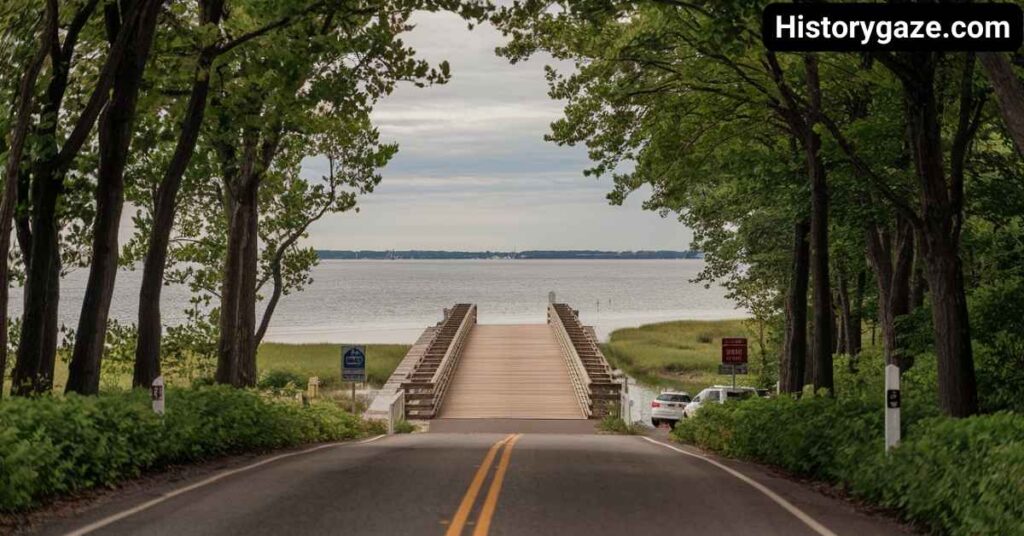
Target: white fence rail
(396, 411)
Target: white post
(156, 394)
(892, 406)
(353, 398)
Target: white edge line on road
(798, 513)
(205, 482)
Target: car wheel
(672, 425)
(656, 423)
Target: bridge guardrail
(450, 361)
(591, 375)
(577, 372)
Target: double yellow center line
(483, 522)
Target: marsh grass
(683, 354)
(324, 361)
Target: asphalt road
(482, 483)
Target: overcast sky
(473, 171)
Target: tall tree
(116, 127)
(341, 27)
(22, 117)
(632, 56)
(33, 372)
(212, 44)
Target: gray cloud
(473, 170)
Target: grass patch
(324, 360)
(683, 354)
(275, 360)
(615, 425)
(404, 427)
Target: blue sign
(353, 363)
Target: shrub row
(956, 476)
(57, 445)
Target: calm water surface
(392, 301)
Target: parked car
(717, 394)
(667, 408)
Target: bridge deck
(511, 372)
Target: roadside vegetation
(404, 427)
(613, 424)
(683, 354)
(951, 476)
(54, 445)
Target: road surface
(448, 483)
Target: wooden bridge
(459, 369)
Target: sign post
(734, 355)
(156, 394)
(892, 406)
(353, 368)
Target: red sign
(734, 350)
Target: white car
(668, 407)
(717, 395)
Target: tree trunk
(918, 286)
(794, 355)
(147, 349)
(821, 346)
(856, 333)
(957, 388)
(13, 174)
(246, 336)
(115, 134)
(941, 205)
(227, 347)
(845, 316)
(33, 372)
(1009, 94)
(891, 257)
(237, 321)
(236, 365)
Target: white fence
(396, 410)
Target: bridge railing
(577, 372)
(450, 361)
(591, 375)
(426, 384)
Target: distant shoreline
(330, 254)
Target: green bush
(280, 379)
(997, 324)
(959, 476)
(404, 427)
(56, 445)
